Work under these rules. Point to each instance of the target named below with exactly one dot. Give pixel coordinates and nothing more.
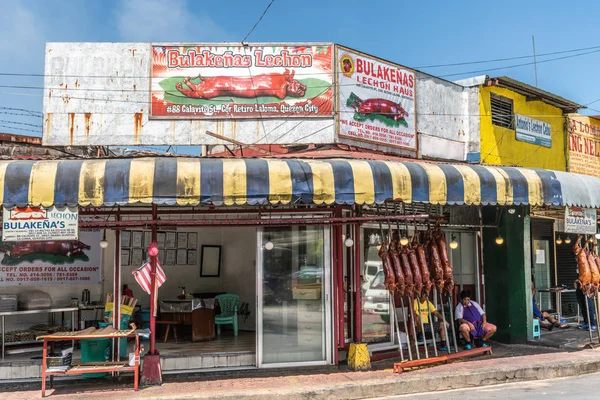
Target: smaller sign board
(580, 220)
(20, 224)
(533, 131)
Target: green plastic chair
(229, 304)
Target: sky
(415, 34)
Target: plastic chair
(228, 304)
(536, 328)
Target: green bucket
(94, 350)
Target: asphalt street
(581, 387)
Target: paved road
(581, 387)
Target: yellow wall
(499, 145)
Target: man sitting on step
(473, 321)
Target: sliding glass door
(293, 296)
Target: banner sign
(39, 223)
(60, 262)
(376, 100)
(241, 81)
(580, 220)
(584, 145)
(533, 131)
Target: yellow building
(522, 125)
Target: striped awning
(194, 181)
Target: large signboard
(21, 224)
(580, 220)
(55, 262)
(533, 131)
(376, 100)
(584, 145)
(241, 81)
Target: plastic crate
(60, 359)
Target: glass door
(377, 322)
(542, 274)
(294, 309)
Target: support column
(151, 372)
(508, 275)
(117, 289)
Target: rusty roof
(534, 93)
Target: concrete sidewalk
(338, 384)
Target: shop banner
(39, 223)
(580, 220)
(533, 131)
(584, 145)
(55, 262)
(241, 81)
(376, 100)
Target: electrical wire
(258, 22)
(20, 129)
(4, 121)
(518, 65)
(507, 58)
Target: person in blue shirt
(546, 320)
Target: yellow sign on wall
(584, 145)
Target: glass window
(293, 295)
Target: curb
(406, 383)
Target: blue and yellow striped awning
(194, 181)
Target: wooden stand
(90, 367)
(401, 366)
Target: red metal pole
(153, 293)
(117, 289)
(357, 287)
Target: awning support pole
(117, 289)
(151, 371)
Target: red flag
(144, 279)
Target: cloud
(165, 21)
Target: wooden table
(90, 367)
(202, 321)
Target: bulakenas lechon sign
(376, 100)
(241, 81)
(27, 223)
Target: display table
(89, 367)
(5, 314)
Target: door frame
(328, 285)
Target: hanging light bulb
(511, 211)
(591, 239)
(499, 240)
(403, 240)
(453, 243)
(269, 245)
(153, 249)
(104, 242)
(348, 242)
(559, 240)
(597, 235)
(567, 240)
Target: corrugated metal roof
(528, 90)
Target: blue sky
(415, 34)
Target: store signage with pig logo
(580, 220)
(22, 224)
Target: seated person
(127, 291)
(473, 321)
(422, 308)
(544, 316)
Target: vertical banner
(584, 145)
(241, 81)
(376, 100)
